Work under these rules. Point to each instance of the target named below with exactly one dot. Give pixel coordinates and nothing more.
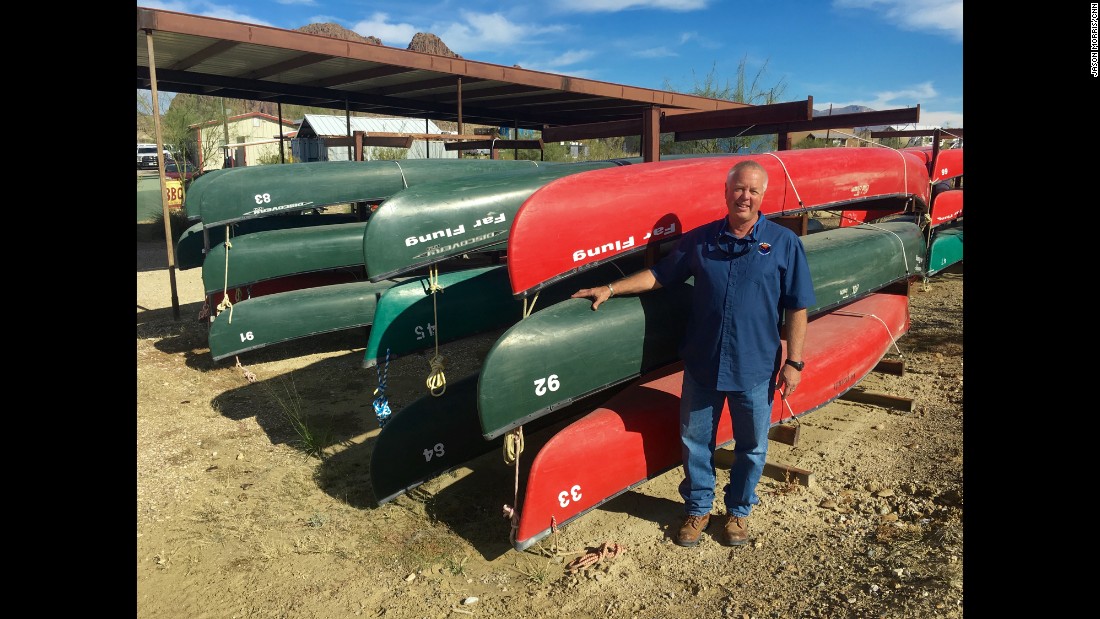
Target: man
(746, 270)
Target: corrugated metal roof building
(308, 145)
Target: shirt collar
(724, 234)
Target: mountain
(336, 31)
(421, 42)
(847, 109)
(853, 109)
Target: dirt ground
(234, 520)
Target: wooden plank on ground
(879, 399)
(723, 459)
(787, 472)
(786, 433)
(886, 366)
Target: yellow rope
(437, 381)
(226, 303)
(527, 309)
(513, 448)
(513, 445)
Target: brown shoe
(736, 531)
(692, 529)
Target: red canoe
(288, 283)
(586, 219)
(948, 165)
(638, 427)
(946, 206)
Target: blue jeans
(750, 412)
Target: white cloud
(935, 16)
(614, 6)
(570, 57)
(941, 119)
(207, 10)
(920, 94)
(474, 32)
(655, 52)
(392, 34)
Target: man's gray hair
(748, 164)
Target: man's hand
(598, 295)
(788, 380)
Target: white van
(147, 156)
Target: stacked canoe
(945, 214)
(547, 231)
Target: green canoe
(277, 253)
(566, 351)
(472, 301)
(946, 249)
(265, 190)
(271, 319)
(191, 247)
(193, 196)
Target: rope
(513, 445)
(904, 258)
(883, 323)
(791, 181)
(527, 309)
(511, 513)
(247, 372)
(381, 406)
(607, 550)
(226, 303)
(790, 410)
(437, 381)
(402, 171)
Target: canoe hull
(948, 165)
(191, 249)
(434, 435)
(947, 206)
(262, 321)
(285, 284)
(277, 253)
(433, 221)
(585, 219)
(262, 191)
(945, 249)
(640, 424)
(472, 301)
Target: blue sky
(883, 54)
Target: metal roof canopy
(217, 57)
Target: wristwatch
(798, 365)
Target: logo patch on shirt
(764, 249)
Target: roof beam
(209, 51)
(836, 121)
(492, 144)
(590, 131)
(421, 85)
(754, 115)
(913, 133)
(358, 76)
(711, 121)
(290, 64)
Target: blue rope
(381, 406)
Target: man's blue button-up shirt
(741, 288)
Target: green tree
(742, 91)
